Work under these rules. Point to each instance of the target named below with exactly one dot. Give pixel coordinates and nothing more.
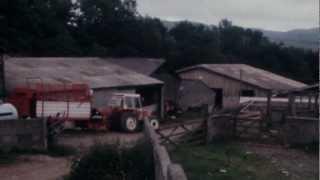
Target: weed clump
(107, 162)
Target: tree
(37, 27)
(195, 43)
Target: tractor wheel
(154, 123)
(129, 122)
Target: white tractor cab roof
(127, 94)
(125, 100)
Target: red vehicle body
(72, 103)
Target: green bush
(106, 162)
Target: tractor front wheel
(154, 123)
(129, 122)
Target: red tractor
(125, 112)
(72, 103)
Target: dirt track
(44, 167)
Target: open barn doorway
(152, 98)
(218, 101)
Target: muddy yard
(45, 167)
(290, 164)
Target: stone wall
(164, 168)
(24, 134)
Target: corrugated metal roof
(145, 66)
(96, 72)
(307, 89)
(252, 75)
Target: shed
(230, 81)
(102, 76)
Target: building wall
(194, 94)
(171, 85)
(231, 88)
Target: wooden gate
(192, 132)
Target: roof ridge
(259, 77)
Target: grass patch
(224, 162)
(107, 162)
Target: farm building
(104, 77)
(231, 81)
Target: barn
(104, 77)
(229, 82)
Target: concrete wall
(231, 88)
(24, 134)
(301, 131)
(164, 168)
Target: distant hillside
(301, 38)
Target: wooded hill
(115, 28)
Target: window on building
(248, 93)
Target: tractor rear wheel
(129, 122)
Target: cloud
(267, 14)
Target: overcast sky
(280, 15)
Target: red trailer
(67, 102)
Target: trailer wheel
(154, 123)
(129, 122)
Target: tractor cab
(126, 101)
(127, 112)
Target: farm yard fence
(164, 168)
